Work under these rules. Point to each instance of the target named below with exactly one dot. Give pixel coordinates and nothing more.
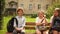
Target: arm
(15, 24)
(46, 21)
(23, 25)
(51, 20)
(37, 22)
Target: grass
(6, 19)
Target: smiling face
(55, 13)
(41, 14)
(20, 12)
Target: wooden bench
(30, 26)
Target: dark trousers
(18, 32)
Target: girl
(40, 20)
(55, 21)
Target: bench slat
(30, 23)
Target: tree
(51, 8)
(1, 10)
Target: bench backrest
(31, 25)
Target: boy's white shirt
(21, 21)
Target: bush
(33, 15)
(51, 8)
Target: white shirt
(21, 21)
(38, 20)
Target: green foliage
(1, 15)
(33, 15)
(51, 8)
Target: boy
(21, 22)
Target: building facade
(29, 6)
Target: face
(20, 12)
(41, 14)
(55, 13)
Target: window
(39, 6)
(30, 6)
(47, 6)
(12, 4)
(21, 5)
(31, 0)
(41, 0)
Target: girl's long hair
(58, 10)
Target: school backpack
(10, 24)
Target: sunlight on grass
(30, 19)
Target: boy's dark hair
(19, 10)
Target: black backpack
(10, 24)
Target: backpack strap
(16, 21)
(42, 20)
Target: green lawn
(6, 19)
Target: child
(38, 22)
(54, 21)
(21, 22)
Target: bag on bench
(10, 24)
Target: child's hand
(18, 29)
